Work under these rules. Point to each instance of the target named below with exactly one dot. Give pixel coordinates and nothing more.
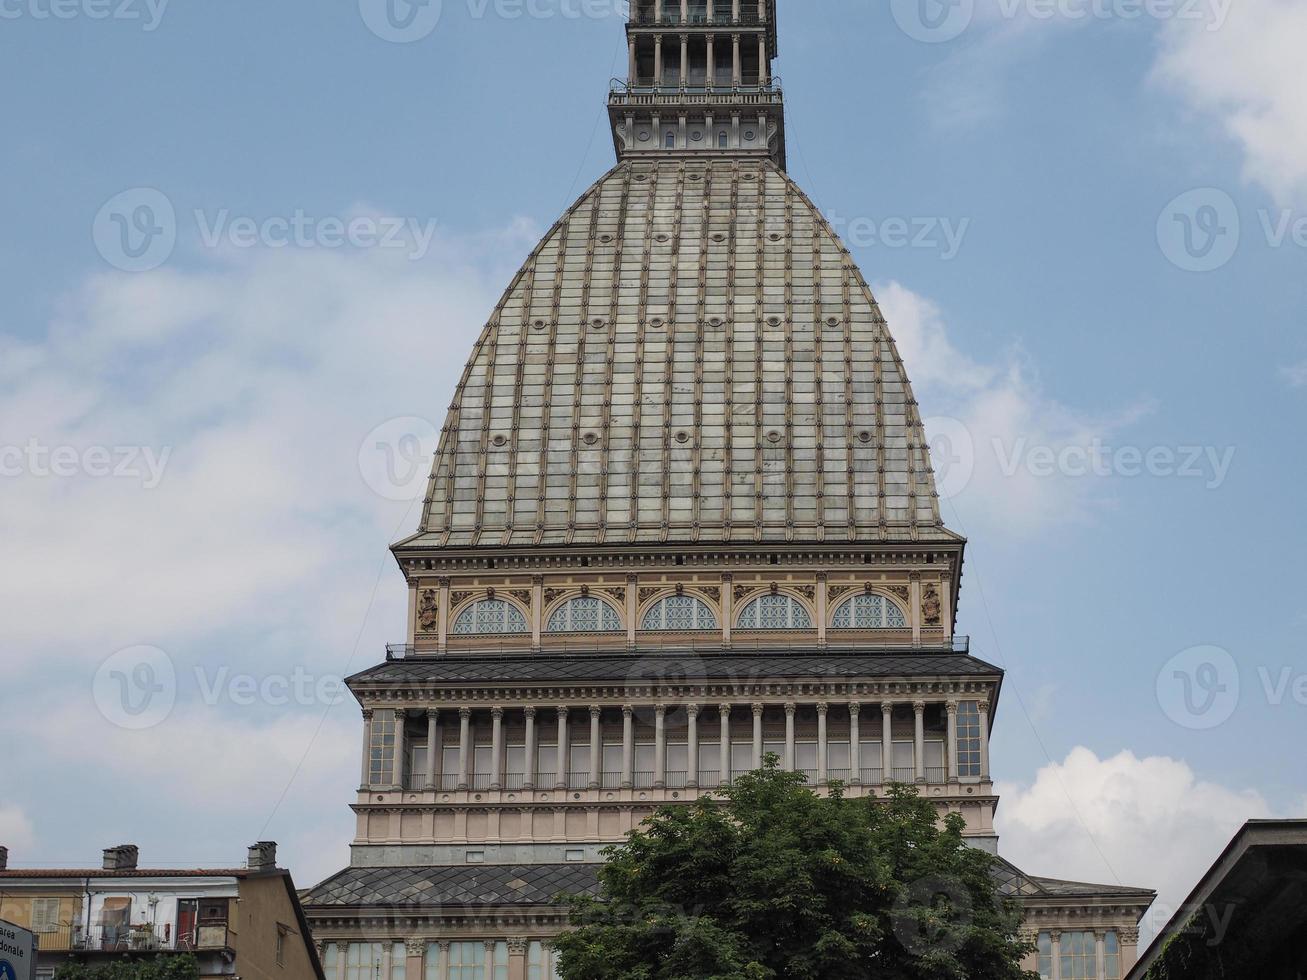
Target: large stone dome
(690, 355)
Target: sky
(246, 249)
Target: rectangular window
(398, 962)
(364, 961)
(546, 762)
(838, 760)
(467, 961)
(1112, 944)
(330, 959)
(281, 945)
(969, 739)
(904, 759)
(45, 915)
(1079, 956)
(515, 766)
(741, 757)
(449, 774)
(541, 962)
(500, 964)
(381, 760)
(1045, 956)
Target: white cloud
(1148, 823)
(1249, 75)
(985, 420)
(15, 832)
(1296, 375)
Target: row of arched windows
(679, 614)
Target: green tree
(174, 967)
(776, 881)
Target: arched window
(584, 614)
(679, 614)
(869, 612)
(669, 141)
(490, 616)
(774, 612)
(723, 141)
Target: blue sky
(1063, 152)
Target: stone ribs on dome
(690, 354)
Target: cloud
(1149, 823)
(15, 831)
(986, 419)
(1296, 375)
(1248, 75)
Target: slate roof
(463, 885)
(1016, 883)
(690, 354)
(563, 670)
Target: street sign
(17, 953)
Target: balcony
(741, 644)
(141, 938)
(624, 95)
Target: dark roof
(1248, 914)
(79, 873)
(464, 886)
(1014, 882)
(672, 667)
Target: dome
(690, 355)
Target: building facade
(682, 516)
(239, 922)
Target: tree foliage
(182, 966)
(776, 881)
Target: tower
(682, 515)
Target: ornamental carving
(647, 594)
(899, 590)
(458, 597)
(618, 594)
(712, 592)
(932, 609)
(428, 612)
(552, 594)
(415, 947)
(741, 591)
(523, 596)
(808, 592)
(835, 591)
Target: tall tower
(682, 515)
(700, 82)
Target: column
(529, 773)
(855, 744)
(442, 639)
(1100, 954)
(400, 717)
(628, 746)
(821, 742)
(952, 708)
(464, 746)
(914, 607)
(342, 957)
(366, 781)
(735, 11)
(712, 65)
(658, 59)
(919, 741)
(433, 746)
(764, 69)
(821, 609)
(415, 950)
(442, 958)
(1129, 949)
(537, 610)
(692, 738)
(757, 736)
(886, 741)
(984, 740)
(725, 747)
(631, 62)
(632, 582)
(1056, 936)
(596, 748)
(658, 11)
(496, 748)
(728, 603)
(736, 70)
(386, 958)
(790, 708)
(660, 746)
(517, 965)
(685, 59)
(685, 11)
(564, 750)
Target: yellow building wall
(18, 910)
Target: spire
(700, 82)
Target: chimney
(121, 858)
(4, 859)
(263, 856)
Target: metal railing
(741, 646)
(936, 775)
(141, 938)
(900, 775)
(870, 777)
